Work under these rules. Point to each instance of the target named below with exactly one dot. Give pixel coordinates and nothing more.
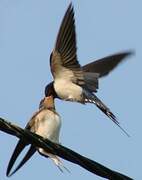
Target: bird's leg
(58, 162)
(54, 158)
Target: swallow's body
(47, 123)
(67, 90)
(71, 81)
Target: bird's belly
(50, 128)
(67, 90)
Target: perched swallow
(63, 152)
(71, 81)
(47, 123)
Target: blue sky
(28, 31)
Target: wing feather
(64, 56)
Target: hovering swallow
(47, 123)
(71, 81)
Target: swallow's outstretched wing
(63, 59)
(105, 65)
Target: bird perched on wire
(46, 122)
(71, 81)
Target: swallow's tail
(92, 98)
(19, 148)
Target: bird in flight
(72, 82)
(46, 122)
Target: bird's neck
(49, 103)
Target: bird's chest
(67, 90)
(49, 127)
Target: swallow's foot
(59, 164)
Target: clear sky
(28, 31)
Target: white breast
(49, 125)
(67, 90)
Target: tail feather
(92, 98)
(28, 155)
(19, 148)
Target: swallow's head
(49, 90)
(47, 103)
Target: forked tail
(92, 98)
(16, 153)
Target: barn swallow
(63, 152)
(71, 81)
(46, 122)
